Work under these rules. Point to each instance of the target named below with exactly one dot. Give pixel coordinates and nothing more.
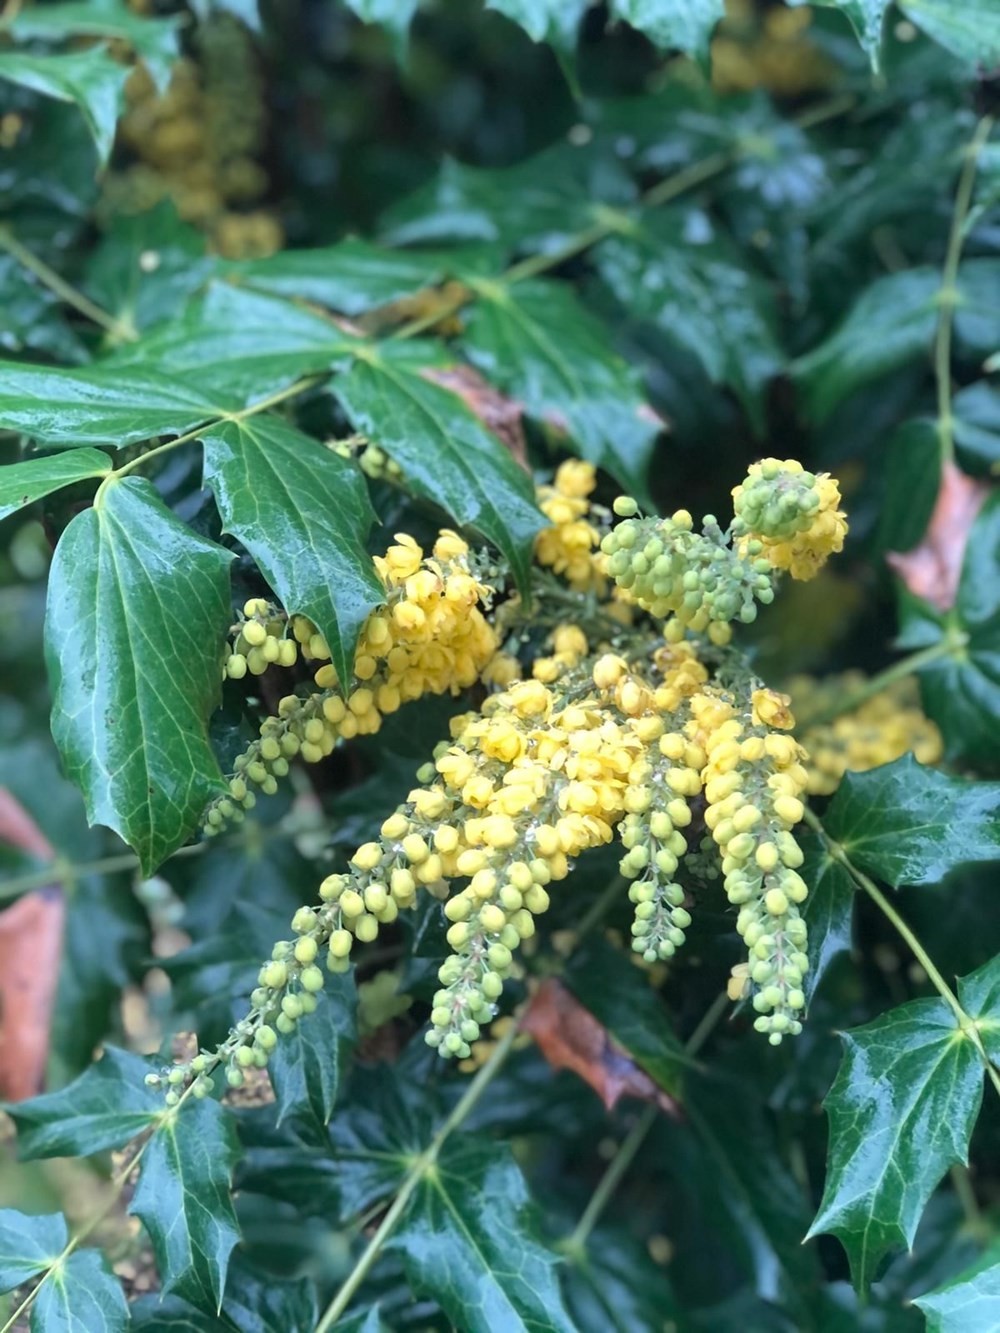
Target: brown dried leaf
(570, 1037)
(31, 933)
(932, 569)
(498, 413)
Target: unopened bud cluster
(795, 516)
(259, 641)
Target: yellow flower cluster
(794, 515)
(198, 143)
(883, 728)
(431, 637)
(770, 50)
(569, 546)
(753, 783)
(259, 642)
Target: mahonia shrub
(500, 593)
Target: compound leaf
(539, 344)
(901, 1111)
(81, 1296)
(307, 1064)
(304, 514)
(446, 454)
(91, 78)
(183, 1198)
(467, 1239)
(155, 39)
(968, 1302)
(22, 483)
(28, 1245)
(908, 824)
(137, 612)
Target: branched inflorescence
(613, 729)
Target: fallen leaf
(570, 1037)
(31, 933)
(498, 413)
(932, 569)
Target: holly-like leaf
(828, 910)
(255, 1302)
(702, 299)
(81, 1296)
(901, 1111)
(183, 1199)
(352, 276)
(104, 1108)
(137, 612)
(536, 342)
(22, 483)
(970, 29)
(304, 514)
(306, 1067)
(620, 997)
(967, 1303)
(446, 454)
(155, 39)
(867, 18)
(99, 405)
(961, 688)
(676, 25)
(908, 824)
(467, 1239)
(554, 21)
(90, 78)
(28, 1245)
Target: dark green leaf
(536, 342)
(536, 204)
(90, 78)
(979, 994)
(98, 405)
(682, 25)
(615, 1287)
(393, 15)
(255, 1302)
(82, 1296)
(467, 1239)
(445, 452)
(306, 1067)
(242, 342)
(33, 318)
(183, 1199)
(104, 1108)
(702, 299)
(21, 483)
(828, 910)
(552, 21)
(352, 276)
(901, 1110)
(908, 824)
(970, 29)
(28, 1245)
(303, 513)
(146, 267)
(977, 423)
(619, 995)
(867, 19)
(890, 323)
(155, 39)
(969, 1302)
(961, 689)
(137, 613)
(913, 480)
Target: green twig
(418, 1171)
(965, 1021)
(48, 277)
(950, 645)
(948, 297)
(623, 1158)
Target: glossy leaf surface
(22, 483)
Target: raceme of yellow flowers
(199, 144)
(639, 732)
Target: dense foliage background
(475, 236)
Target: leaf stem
(48, 277)
(414, 1177)
(953, 641)
(966, 1022)
(948, 297)
(623, 1158)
